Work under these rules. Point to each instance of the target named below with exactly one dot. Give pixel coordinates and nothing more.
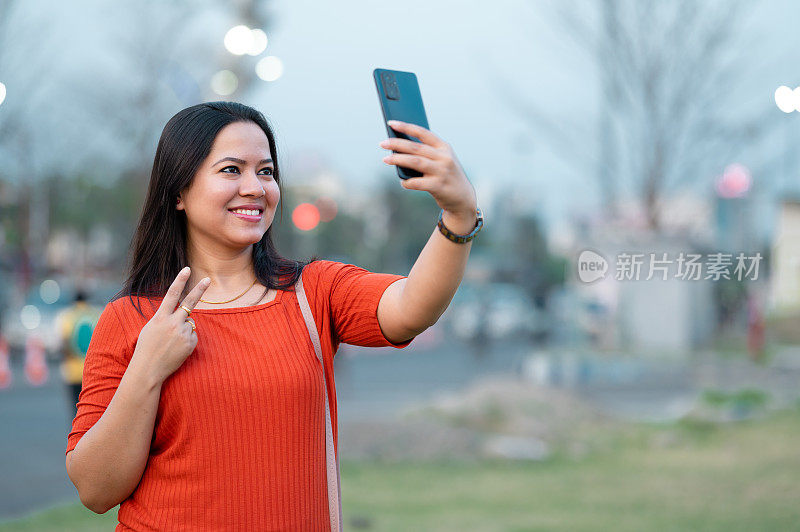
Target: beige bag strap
(331, 458)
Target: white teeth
(244, 211)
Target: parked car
(494, 311)
(39, 317)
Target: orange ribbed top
(239, 436)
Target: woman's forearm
(108, 461)
(437, 273)
(435, 276)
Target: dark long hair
(158, 249)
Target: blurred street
(36, 421)
(378, 384)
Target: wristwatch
(460, 239)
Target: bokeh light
(734, 182)
(270, 68)
(30, 317)
(238, 40)
(224, 82)
(2, 93)
(49, 291)
(258, 42)
(327, 208)
(242, 40)
(305, 216)
(784, 99)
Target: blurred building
(658, 313)
(69, 252)
(785, 258)
(650, 313)
(659, 310)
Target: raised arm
(411, 305)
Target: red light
(305, 216)
(735, 182)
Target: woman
(208, 398)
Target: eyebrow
(240, 161)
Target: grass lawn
(689, 476)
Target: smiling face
(238, 171)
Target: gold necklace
(234, 299)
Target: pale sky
(326, 100)
(325, 104)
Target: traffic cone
(5, 370)
(35, 365)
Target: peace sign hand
(168, 339)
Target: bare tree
(101, 116)
(27, 120)
(669, 73)
(168, 59)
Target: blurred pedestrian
(220, 413)
(5, 367)
(76, 324)
(755, 327)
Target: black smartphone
(400, 100)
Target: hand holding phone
(400, 99)
(414, 144)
